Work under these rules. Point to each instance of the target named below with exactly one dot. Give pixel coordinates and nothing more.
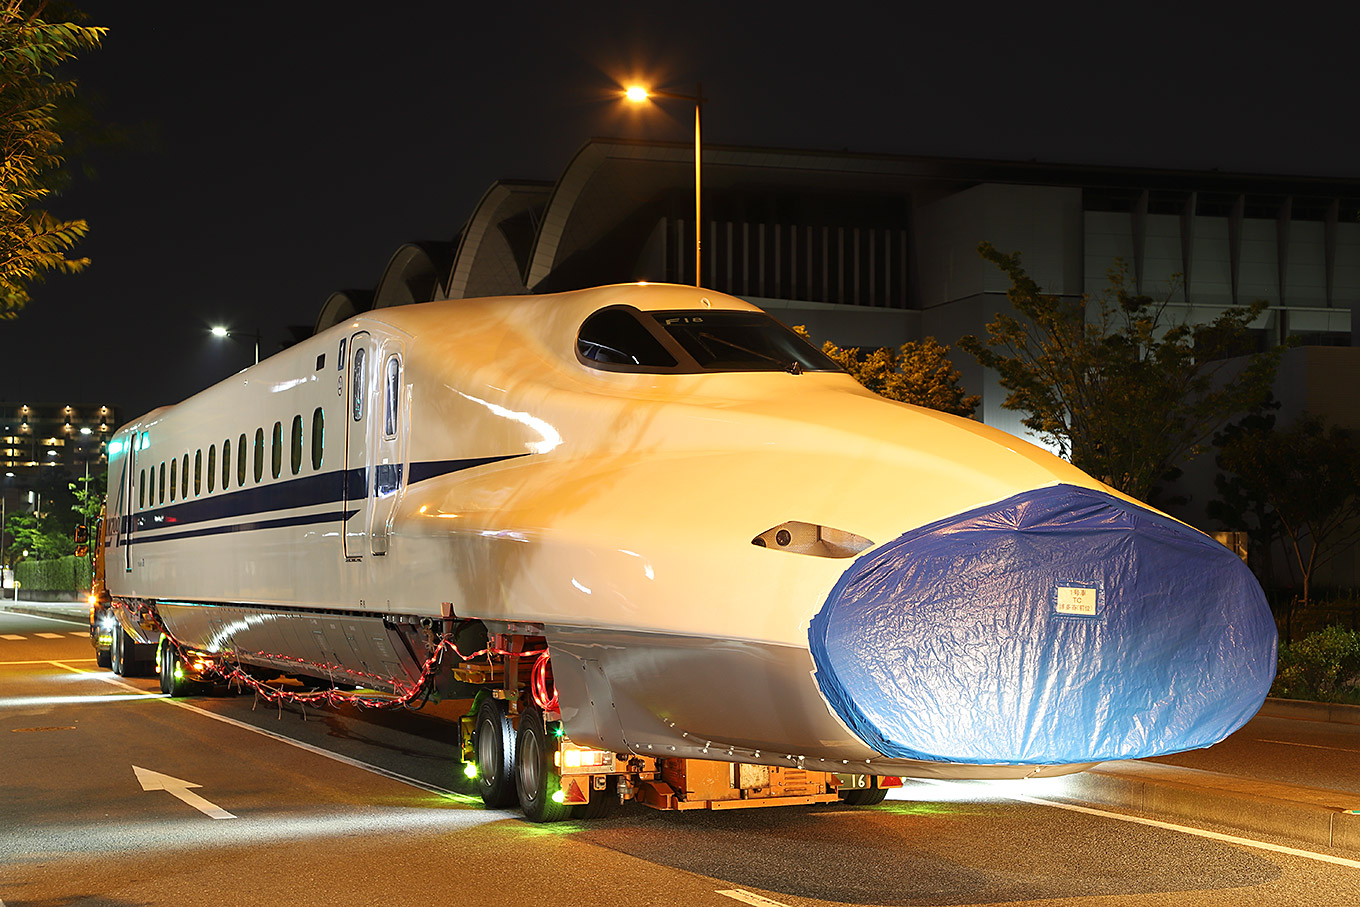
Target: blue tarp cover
(1061, 625)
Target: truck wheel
(174, 682)
(535, 778)
(494, 743)
(103, 658)
(602, 802)
(117, 654)
(865, 796)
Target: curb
(1303, 710)
(1322, 818)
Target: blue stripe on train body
(338, 487)
(1061, 625)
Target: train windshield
(622, 338)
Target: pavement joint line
(1190, 830)
(1311, 746)
(62, 620)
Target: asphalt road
(321, 815)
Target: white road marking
(747, 897)
(1186, 829)
(179, 789)
(64, 663)
(354, 763)
(10, 636)
(48, 635)
(77, 633)
(1311, 746)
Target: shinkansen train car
(647, 535)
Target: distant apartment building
(38, 436)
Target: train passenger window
(391, 383)
(198, 472)
(276, 450)
(161, 483)
(212, 467)
(141, 490)
(616, 337)
(357, 403)
(226, 464)
(241, 461)
(174, 465)
(259, 455)
(295, 446)
(184, 480)
(318, 436)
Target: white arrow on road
(180, 789)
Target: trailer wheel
(494, 743)
(103, 657)
(117, 653)
(865, 796)
(601, 803)
(171, 668)
(535, 779)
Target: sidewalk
(78, 611)
(1308, 815)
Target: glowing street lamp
(220, 331)
(637, 94)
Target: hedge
(63, 574)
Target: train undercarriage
(496, 686)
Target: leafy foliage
(1323, 666)
(1119, 390)
(1303, 483)
(60, 574)
(916, 373)
(33, 534)
(32, 241)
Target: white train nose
(1062, 625)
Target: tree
(1111, 382)
(32, 99)
(1307, 476)
(916, 373)
(31, 533)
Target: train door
(358, 418)
(389, 432)
(126, 518)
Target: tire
(864, 796)
(493, 741)
(117, 656)
(170, 667)
(535, 778)
(602, 802)
(103, 658)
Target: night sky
(279, 152)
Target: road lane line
(48, 661)
(13, 636)
(1311, 746)
(1186, 829)
(49, 635)
(346, 760)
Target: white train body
(478, 466)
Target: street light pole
(220, 331)
(637, 94)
